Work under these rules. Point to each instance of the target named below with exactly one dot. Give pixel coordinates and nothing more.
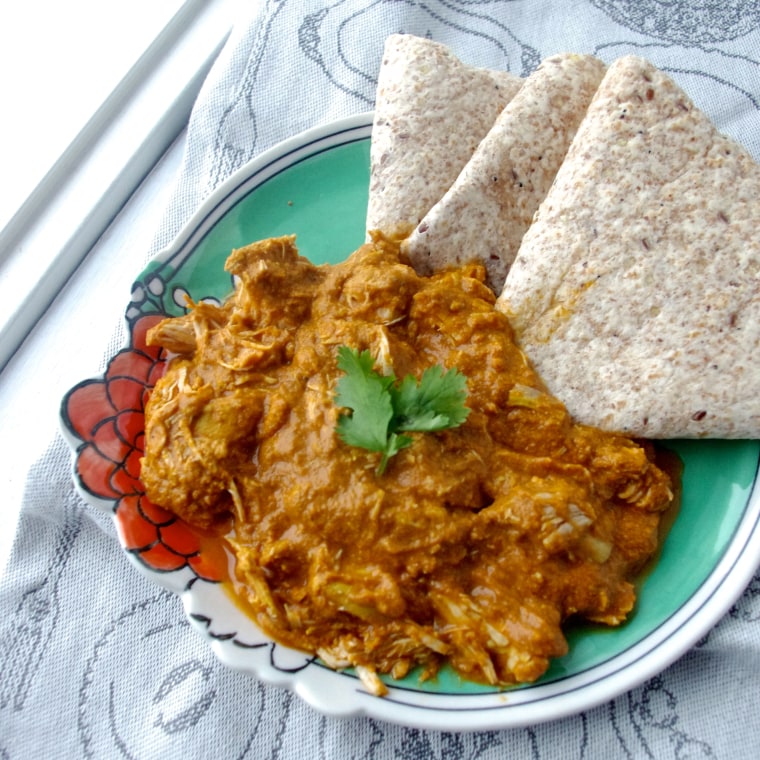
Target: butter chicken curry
(473, 546)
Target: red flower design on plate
(108, 416)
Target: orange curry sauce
(477, 542)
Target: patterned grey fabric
(104, 665)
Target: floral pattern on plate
(283, 192)
(108, 416)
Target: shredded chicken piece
(477, 543)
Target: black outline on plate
(196, 234)
(177, 252)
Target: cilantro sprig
(382, 409)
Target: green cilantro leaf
(436, 403)
(366, 392)
(380, 407)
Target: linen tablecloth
(97, 662)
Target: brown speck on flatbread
(485, 213)
(431, 111)
(622, 332)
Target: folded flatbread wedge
(490, 205)
(431, 111)
(636, 290)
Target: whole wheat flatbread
(431, 111)
(636, 290)
(486, 211)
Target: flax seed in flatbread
(486, 211)
(636, 290)
(431, 111)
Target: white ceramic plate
(315, 185)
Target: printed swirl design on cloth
(108, 416)
(691, 21)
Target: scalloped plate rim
(484, 711)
